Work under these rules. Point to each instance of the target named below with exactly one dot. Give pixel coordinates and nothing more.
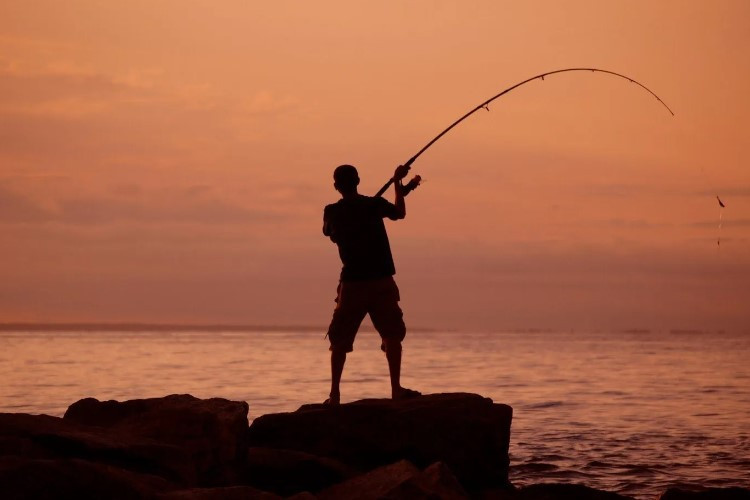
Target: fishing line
(721, 216)
(712, 186)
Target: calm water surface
(632, 413)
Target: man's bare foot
(404, 393)
(333, 400)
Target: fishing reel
(412, 184)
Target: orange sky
(169, 161)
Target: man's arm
(398, 176)
(327, 226)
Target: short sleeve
(385, 208)
(327, 220)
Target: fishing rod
(413, 183)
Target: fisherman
(355, 224)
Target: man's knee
(392, 345)
(339, 352)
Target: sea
(632, 412)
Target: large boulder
(182, 439)
(209, 433)
(42, 437)
(25, 478)
(467, 432)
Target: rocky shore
(439, 446)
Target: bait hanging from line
(411, 185)
(721, 214)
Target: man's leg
(388, 320)
(349, 313)
(338, 358)
(393, 355)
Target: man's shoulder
(360, 199)
(334, 206)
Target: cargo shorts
(355, 299)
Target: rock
(734, 493)
(438, 478)
(187, 441)
(25, 478)
(223, 493)
(373, 485)
(211, 433)
(401, 480)
(46, 437)
(286, 472)
(467, 432)
(305, 495)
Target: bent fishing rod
(414, 182)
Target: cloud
(726, 223)
(626, 190)
(633, 224)
(185, 206)
(726, 193)
(65, 94)
(107, 211)
(127, 190)
(15, 207)
(267, 103)
(614, 190)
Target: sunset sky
(169, 161)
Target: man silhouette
(355, 224)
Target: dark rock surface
(401, 480)
(41, 437)
(467, 432)
(210, 433)
(286, 472)
(27, 478)
(372, 485)
(221, 493)
(136, 448)
(707, 494)
(439, 480)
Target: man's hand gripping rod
(408, 187)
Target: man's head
(345, 179)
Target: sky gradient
(169, 161)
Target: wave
(533, 467)
(542, 405)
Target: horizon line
(136, 326)
(124, 326)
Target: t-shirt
(356, 225)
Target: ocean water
(626, 412)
